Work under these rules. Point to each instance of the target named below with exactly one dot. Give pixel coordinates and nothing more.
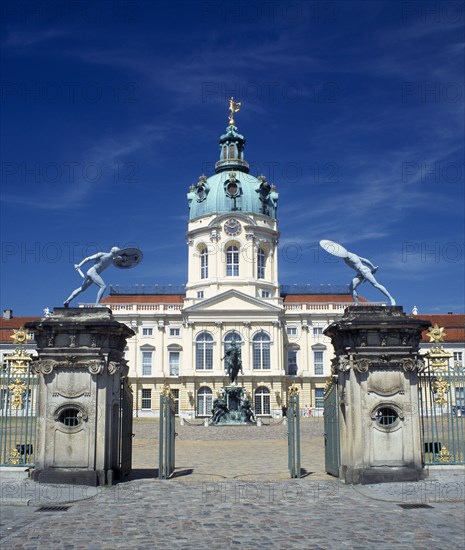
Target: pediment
(233, 301)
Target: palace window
(204, 401)
(318, 362)
(261, 263)
(291, 331)
(232, 261)
(458, 359)
(261, 351)
(200, 294)
(292, 362)
(204, 351)
(317, 331)
(147, 363)
(175, 332)
(204, 263)
(460, 396)
(146, 399)
(147, 331)
(262, 401)
(174, 362)
(319, 397)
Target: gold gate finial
(436, 334)
(293, 390)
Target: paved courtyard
(231, 489)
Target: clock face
(232, 227)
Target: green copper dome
(232, 188)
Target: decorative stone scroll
(362, 365)
(410, 364)
(95, 366)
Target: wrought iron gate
(18, 400)
(167, 434)
(441, 392)
(293, 418)
(331, 426)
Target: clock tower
(232, 233)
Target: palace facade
(232, 294)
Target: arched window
(262, 400)
(204, 401)
(204, 351)
(231, 337)
(261, 351)
(261, 263)
(232, 261)
(204, 263)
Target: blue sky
(111, 110)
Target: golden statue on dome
(233, 108)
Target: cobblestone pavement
(231, 491)
(232, 452)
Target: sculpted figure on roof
(364, 268)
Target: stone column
(376, 366)
(82, 375)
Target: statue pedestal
(376, 371)
(84, 419)
(233, 408)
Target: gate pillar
(167, 434)
(376, 370)
(82, 372)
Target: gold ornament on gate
(436, 334)
(437, 356)
(294, 390)
(441, 387)
(166, 391)
(18, 388)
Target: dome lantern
(232, 145)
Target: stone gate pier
(376, 368)
(84, 418)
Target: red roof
(453, 323)
(7, 326)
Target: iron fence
(18, 400)
(441, 392)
